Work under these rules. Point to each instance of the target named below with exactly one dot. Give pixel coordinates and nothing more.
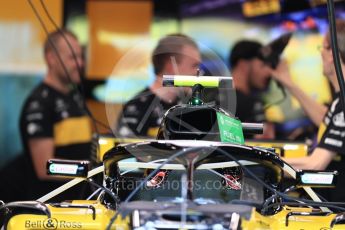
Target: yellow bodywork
(80, 218)
(86, 218)
(279, 221)
(105, 143)
(69, 218)
(285, 149)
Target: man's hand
(282, 74)
(312, 108)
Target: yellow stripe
(152, 132)
(321, 131)
(74, 130)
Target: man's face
(68, 59)
(189, 61)
(327, 58)
(259, 74)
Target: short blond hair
(170, 45)
(54, 37)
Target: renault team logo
(338, 120)
(50, 223)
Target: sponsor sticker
(230, 129)
(52, 223)
(333, 142)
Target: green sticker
(230, 129)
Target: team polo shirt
(47, 113)
(142, 115)
(331, 136)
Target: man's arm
(313, 109)
(41, 150)
(318, 160)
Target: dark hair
(244, 49)
(340, 27)
(54, 38)
(168, 46)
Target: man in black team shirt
(53, 121)
(329, 153)
(175, 54)
(251, 74)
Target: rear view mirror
(316, 178)
(67, 168)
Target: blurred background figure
(251, 76)
(329, 153)
(54, 122)
(175, 54)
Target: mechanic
(330, 149)
(175, 54)
(53, 121)
(251, 76)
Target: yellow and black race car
(197, 174)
